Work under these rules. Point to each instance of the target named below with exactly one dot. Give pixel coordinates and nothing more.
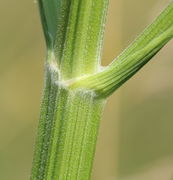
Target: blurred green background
(135, 141)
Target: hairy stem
(67, 133)
(75, 87)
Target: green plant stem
(69, 119)
(75, 86)
(67, 132)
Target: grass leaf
(133, 58)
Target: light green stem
(67, 133)
(69, 119)
(75, 87)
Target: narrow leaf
(133, 58)
(49, 16)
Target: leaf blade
(49, 15)
(133, 58)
